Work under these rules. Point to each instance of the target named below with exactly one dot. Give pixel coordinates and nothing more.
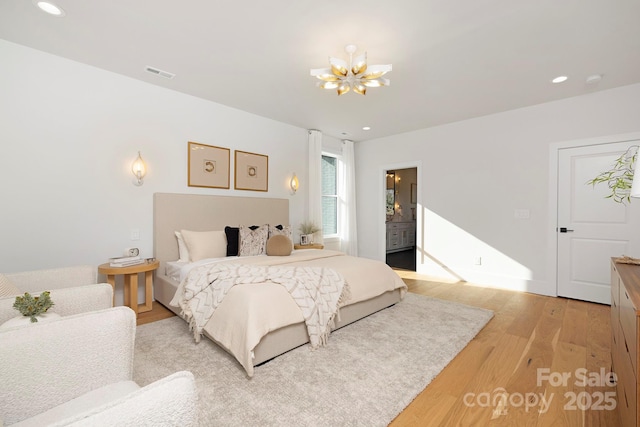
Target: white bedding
(172, 269)
(251, 311)
(178, 270)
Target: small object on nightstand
(125, 261)
(132, 252)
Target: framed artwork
(208, 166)
(414, 193)
(252, 171)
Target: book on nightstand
(125, 261)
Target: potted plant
(619, 178)
(307, 229)
(31, 306)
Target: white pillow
(7, 288)
(205, 244)
(253, 242)
(182, 248)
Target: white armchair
(73, 290)
(54, 278)
(78, 371)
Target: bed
(370, 291)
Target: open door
(400, 213)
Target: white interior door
(591, 227)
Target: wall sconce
(294, 183)
(139, 169)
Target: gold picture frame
(208, 166)
(251, 171)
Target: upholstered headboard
(173, 212)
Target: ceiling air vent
(157, 72)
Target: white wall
(474, 174)
(69, 133)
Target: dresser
(400, 236)
(625, 317)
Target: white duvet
(250, 311)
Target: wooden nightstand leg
(127, 289)
(111, 279)
(148, 292)
(133, 292)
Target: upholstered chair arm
(67, 301)
(48, 363)
(171, 401)
(55, 278)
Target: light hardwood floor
(158, 312)
(528, 332)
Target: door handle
(565, 230)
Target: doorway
(400, 217)
(591, 228)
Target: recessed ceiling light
(366, 128)
(50, 8)
(593, 79)
(559, 79)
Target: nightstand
(131, 283)
(309, 246)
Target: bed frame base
(289, 337)
(284, 339)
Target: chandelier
(354, 75)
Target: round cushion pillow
(279, 245)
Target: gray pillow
(253, 242)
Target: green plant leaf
(619, 179)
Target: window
(329, 195)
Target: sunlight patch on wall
(446, 250)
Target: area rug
(365, 376)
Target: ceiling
(452, 60)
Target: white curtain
(347, 202)
(315, 181)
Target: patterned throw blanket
(318, 291)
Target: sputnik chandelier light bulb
(355, 75)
